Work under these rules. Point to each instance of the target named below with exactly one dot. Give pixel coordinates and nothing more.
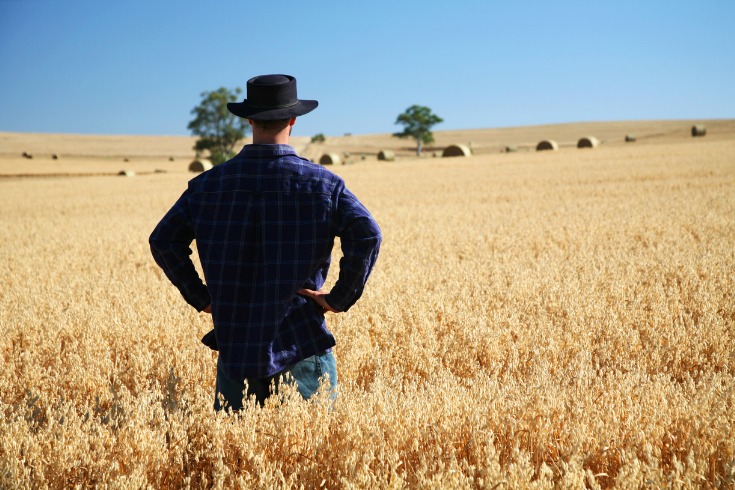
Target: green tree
(318, 138)
(417, 122)
(218, 129)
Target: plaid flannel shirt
(264, 225)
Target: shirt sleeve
(170, 245)
(360, 237)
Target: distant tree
(319, 138)
(218, 129)
(417, 122)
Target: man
(264, 224)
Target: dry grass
(535, 319)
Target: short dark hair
(274, 125)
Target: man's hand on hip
(319, 297)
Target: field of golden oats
(534, 320)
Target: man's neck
(270, 139)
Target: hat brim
(241, 109)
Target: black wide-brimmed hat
(271, 97)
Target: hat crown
(272, 91)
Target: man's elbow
(155, 244)
(372, 230)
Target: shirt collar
(260, 151)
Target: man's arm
(360, 237)
(170, 245)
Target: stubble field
(534, 320)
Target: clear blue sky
(139, 66)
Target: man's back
(265, 224)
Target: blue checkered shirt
(264, 225)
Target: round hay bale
(330, 159)
(126, 173)
(200, 165)
(54, 156)
(588, 142)
(27, 155)
(511, 149)
(170, 159)
(457, 151)
(630, 138)
(387, 155)
(699, 130)
(547, 145)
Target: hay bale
(511, 149)
(547, 145)
(457, 151)
(54, 156)
(200, 165)
(330, 159)
(387, 155)
(27, 155)
(699, 130)
(170, 159)
(630, 138)
(126, 173)
(588, 142)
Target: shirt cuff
(331, 304)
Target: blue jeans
(306, 374)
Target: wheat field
(535, 320)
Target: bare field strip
(534, 319)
